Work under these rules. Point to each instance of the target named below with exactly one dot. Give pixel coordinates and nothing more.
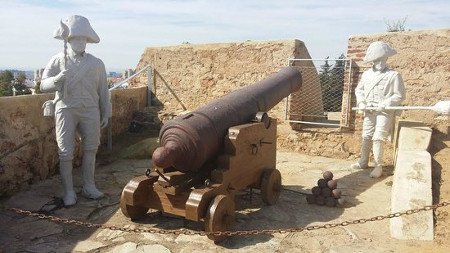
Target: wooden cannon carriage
(207, 156)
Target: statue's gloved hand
(361, 108)
(381, 108)
(104, 122)
(60, 78)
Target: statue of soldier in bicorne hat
(379, 87)
(82, 102)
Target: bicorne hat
(76, 26)
(377, 50)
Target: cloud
(127, 27)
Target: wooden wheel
(220, 216)
(132, 212)
(270, 186)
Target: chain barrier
(225, 233)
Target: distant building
(17, 73)
(113, 74)
(127, 73)
(38, 75)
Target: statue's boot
(70, 197)
(88, 165)
(364, 159)
(377, 156)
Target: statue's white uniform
(87, 101)
(81, 103)
(379, 88)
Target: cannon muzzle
(190, 140)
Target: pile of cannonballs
(325, 193)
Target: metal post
(110, 133)
(286, 105)
(149, 86)
(349, 94)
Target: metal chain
(226, 233)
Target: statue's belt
(77, 77)
(379, 78)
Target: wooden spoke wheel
(220, 216)
(270, 186)
(132, 212)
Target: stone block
(411, 135)
(412, 189)
(414, 138)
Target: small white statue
(82, 102)
(379, 87)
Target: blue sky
(127, 27)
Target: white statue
(379, 87)
(82, 102)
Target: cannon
(210, 154)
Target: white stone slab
(88, 245)
(414, 138)
(411, 189)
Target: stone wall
(198, 73)
(423, 60)
(28, 151)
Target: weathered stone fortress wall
(28, 150)
(199, 73)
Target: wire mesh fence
(320, 99)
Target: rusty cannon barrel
(188, 141)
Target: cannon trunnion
(243, 156)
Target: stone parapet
(28, 150)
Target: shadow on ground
(21, 233)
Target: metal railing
(151, 75)
(120, 84)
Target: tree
(37, 88)
(332, 82)
(337, 84)
(6, 79)
(19, 85)
(7, 83)
(396, 25)
(324, 77)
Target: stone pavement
(366, 197)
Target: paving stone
(358, 249)
(154, 248)
(37, 229)
(125, 248)
(412, 189)
(107, 234)
(119, 239)
(28, 201)
(181, 239)
(87, 245)
(156, 237)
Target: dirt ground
(365, 198)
